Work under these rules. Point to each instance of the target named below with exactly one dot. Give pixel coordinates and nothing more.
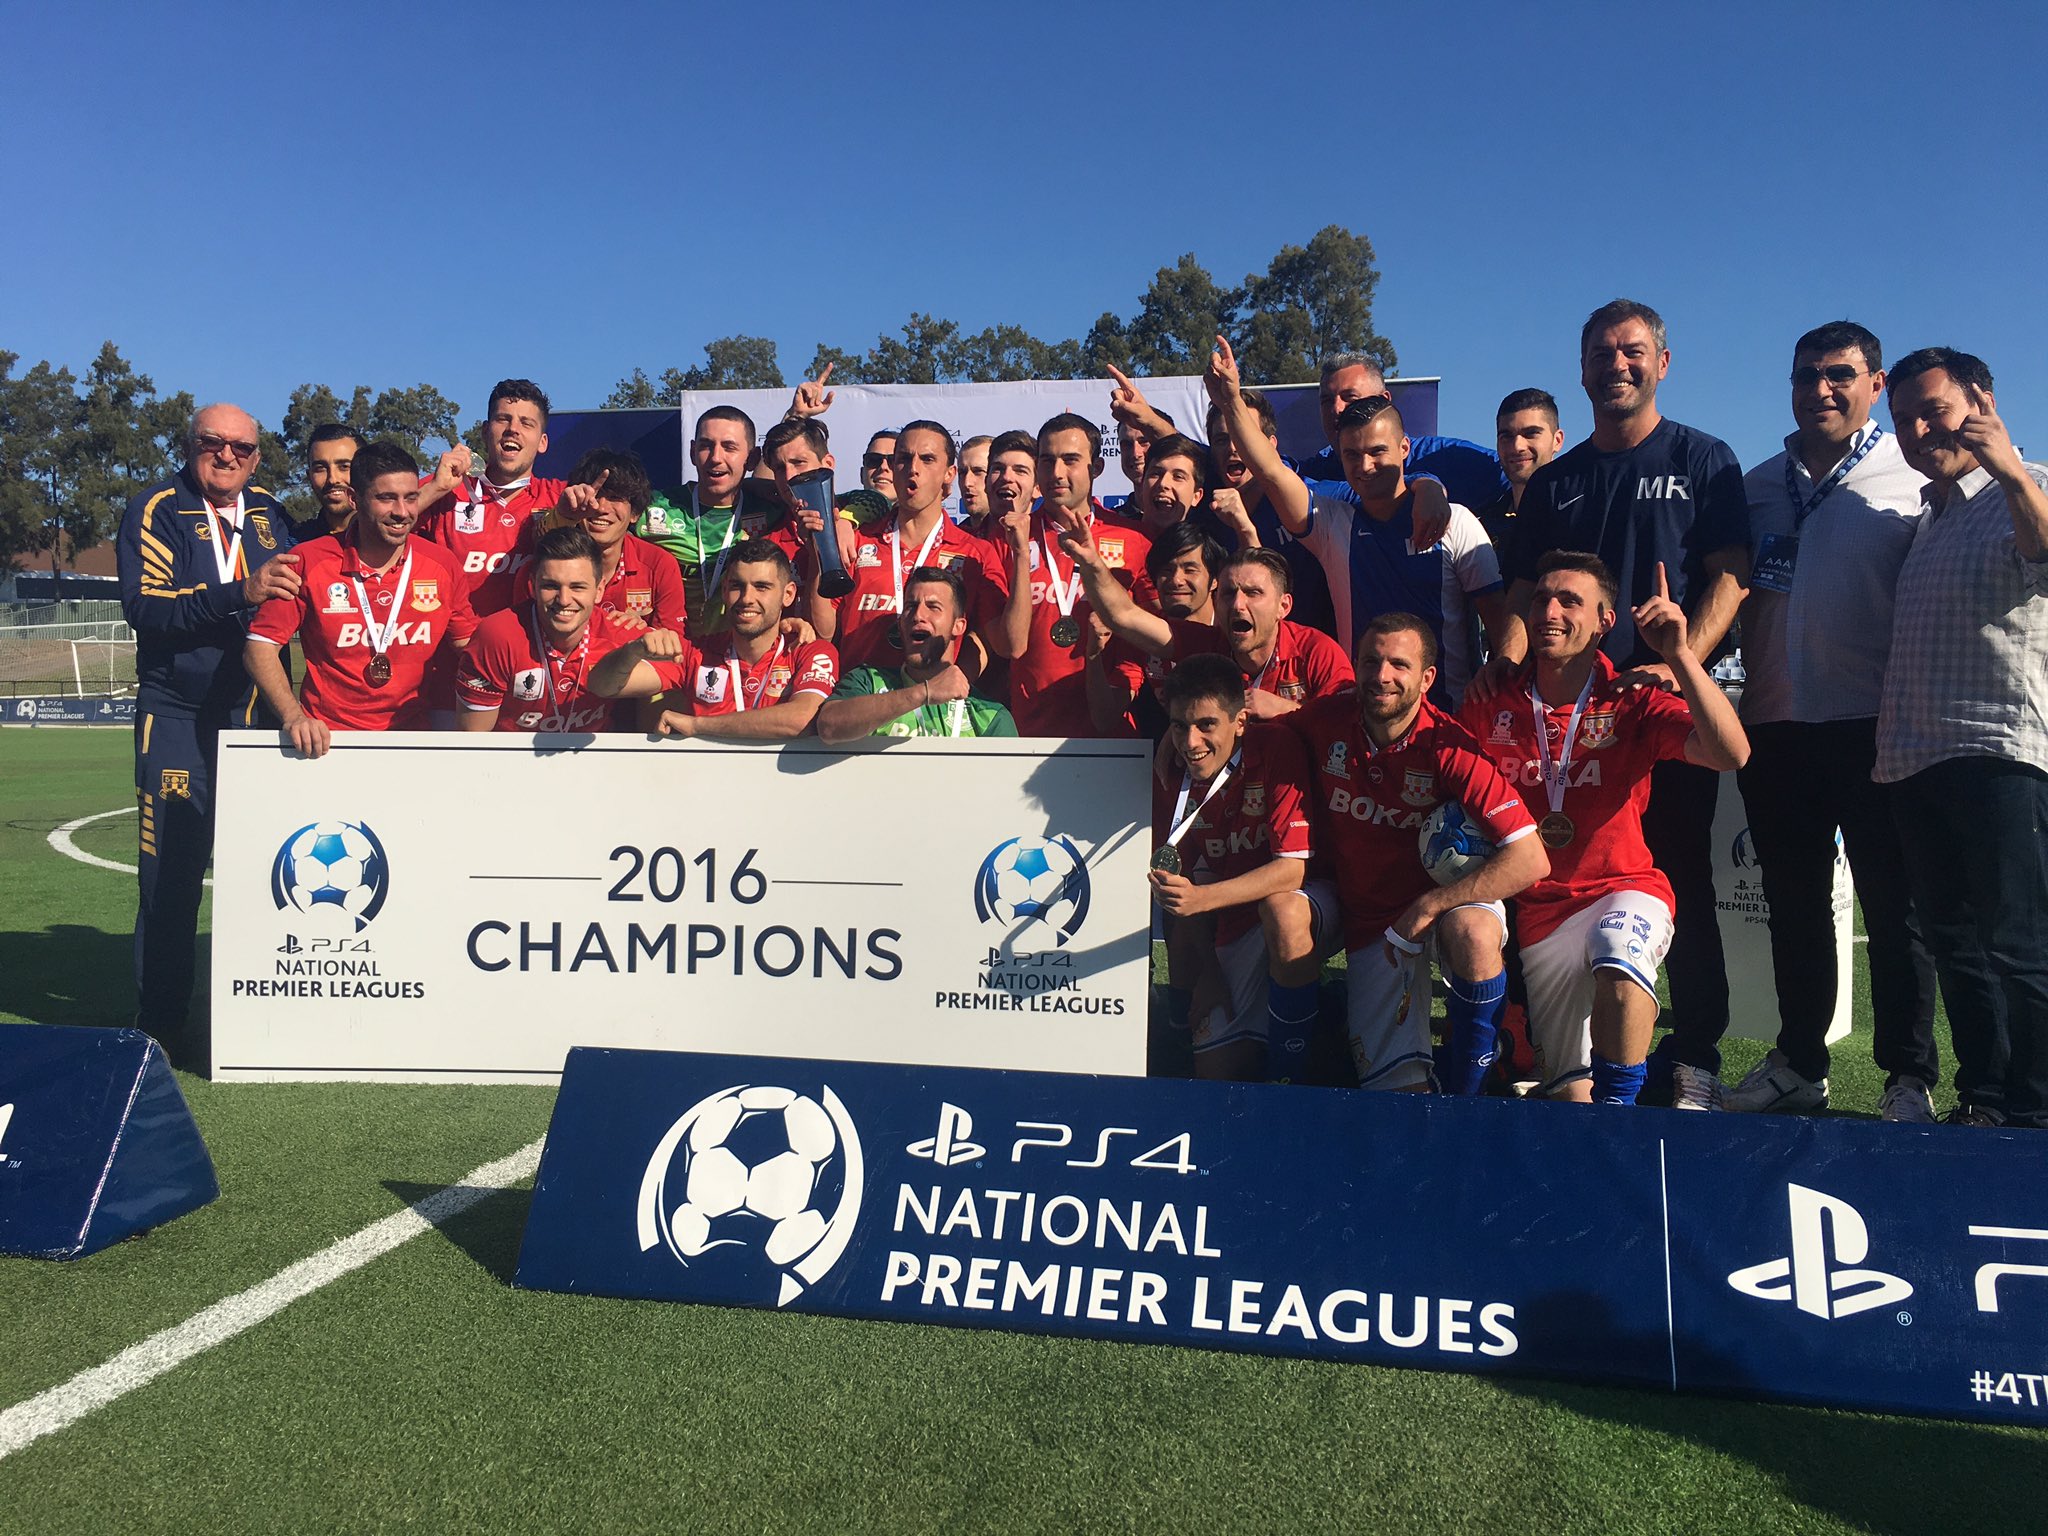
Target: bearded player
(1595, 929)
(1382, 762)
(528, 667)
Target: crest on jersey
(711, 685)
(529, 684)
(951, 562)
(426, 596)
(1255, 799)
(1112, 553)
(261, 526)
(1598, 731)
(338, 598)
(204, 529)
(1418, 786)
(1503, 729)
(640, 600)
(1334, 765)
(469, 517)
(177, 784)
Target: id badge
(1776, 559)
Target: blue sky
(245, 198)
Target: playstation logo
(952, 1144)
(290, 946)
(1815, 1279)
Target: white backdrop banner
(966, 410)
(434, 907)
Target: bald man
(198, 553)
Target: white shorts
(1389, 1010)
(1242, 1014)
(1626, 931)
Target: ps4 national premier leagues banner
(435, 907)
(1872, 1266)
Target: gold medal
(378, 672)
(1166, 859)
(1066, 630)
(1556, 830)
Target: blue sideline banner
(1880, 1267)
(54, 710)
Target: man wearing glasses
(198, 553)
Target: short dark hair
(1398, 624)
(1016, 440)
(1261, 408)
(727, 413)
(1840, 336)
(568, 542)
(1179, 540)
(1270, 561)
(1960, 366)
(877, 437)
(334, 432)
(517, 389)
(926, 575)
(788, 430)
(1176, 446)
(1205, 676)
(1068, 421)
(1587, 564)
(922, 425)
(625, 477)
(1363, 413)
(762, 552)
(1527, 400)
(1613, 312)
(373, 461)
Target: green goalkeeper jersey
(971, 716)
(702, 540)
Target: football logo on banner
(331, 864)
(1034, 879)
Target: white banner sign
(432, 907)
(966, 410)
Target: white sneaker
(1906, 1103)
(1694, 1088)
(1773, 1088)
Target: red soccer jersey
(867, 634)
(1305, 664)
(715, 681)
(1048, 688)
(1260, 814)
(504, 669)
(480, 527)
(432, 609)
(1623, 734)
(1368, 805)
(647, 583)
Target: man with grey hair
(197, 554)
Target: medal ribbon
(739, 684)
(227, 552)
(732, 528)
(381, 642)
(1554, 780)
(923, 554)
(1065, 596)
(1187, 788)
(1802, 506)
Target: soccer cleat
(1906, 1103)
(1974, 1114)
(1773, 1088)
(1694, 1088)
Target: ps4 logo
(6, 1117)
(1819, 1276)
(953, 1141)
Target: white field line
(61, 841)
(63, 1405)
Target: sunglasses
(1839, 373)
(208, 442)
(875, 460)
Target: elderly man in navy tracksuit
(198, 553)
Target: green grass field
(422, 1391)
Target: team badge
(1112, 553)
(1255, 799)
(1418, 786)
(711, 685)
(204, 529)
(469, 517)
(868, 555)
(530, 684)
(778, 683)
(1599, 731)
(1334, 765)
(1503, 728)
(337, 598)
(261, 525)
(640, 600)
(951, 562)
(426, 596)
(177, 784)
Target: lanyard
(732, 527)
(227, 552)
(739, 684)
(1803, 507)
(1253, 685)
(956, 718)
(380, 640)
(484, 494)
(1061, 594)
(1554, 779)
(1181, 821)
(546, 653)
(923, 553)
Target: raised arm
(1112, 604)
(1718, 740)
(1285, 491)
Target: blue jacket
(189, 626)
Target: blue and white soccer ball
(338, 864)
(1451, 844)
(757, 1169)
(1043, 879)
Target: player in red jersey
(608, 492)
(862, 624)
(1381, 763)
(748, 682)
(374, 607)
(1183, 564)
(528, 667)
(1232, 845)
(1595, 929)
(1045, 630)
(478, 517)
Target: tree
(1007, 352)
(923, 354)
(1179, 320)
(122, 441)
(1107, 345)
(1312, 302)
(730, 362)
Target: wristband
(1406, 946)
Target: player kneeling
(1234, 843)
(1580, 745)
(529, 666)
(1381, 763)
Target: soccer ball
(333, 864)
(1450, 844)
(1035, 878)
(751, 1174)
